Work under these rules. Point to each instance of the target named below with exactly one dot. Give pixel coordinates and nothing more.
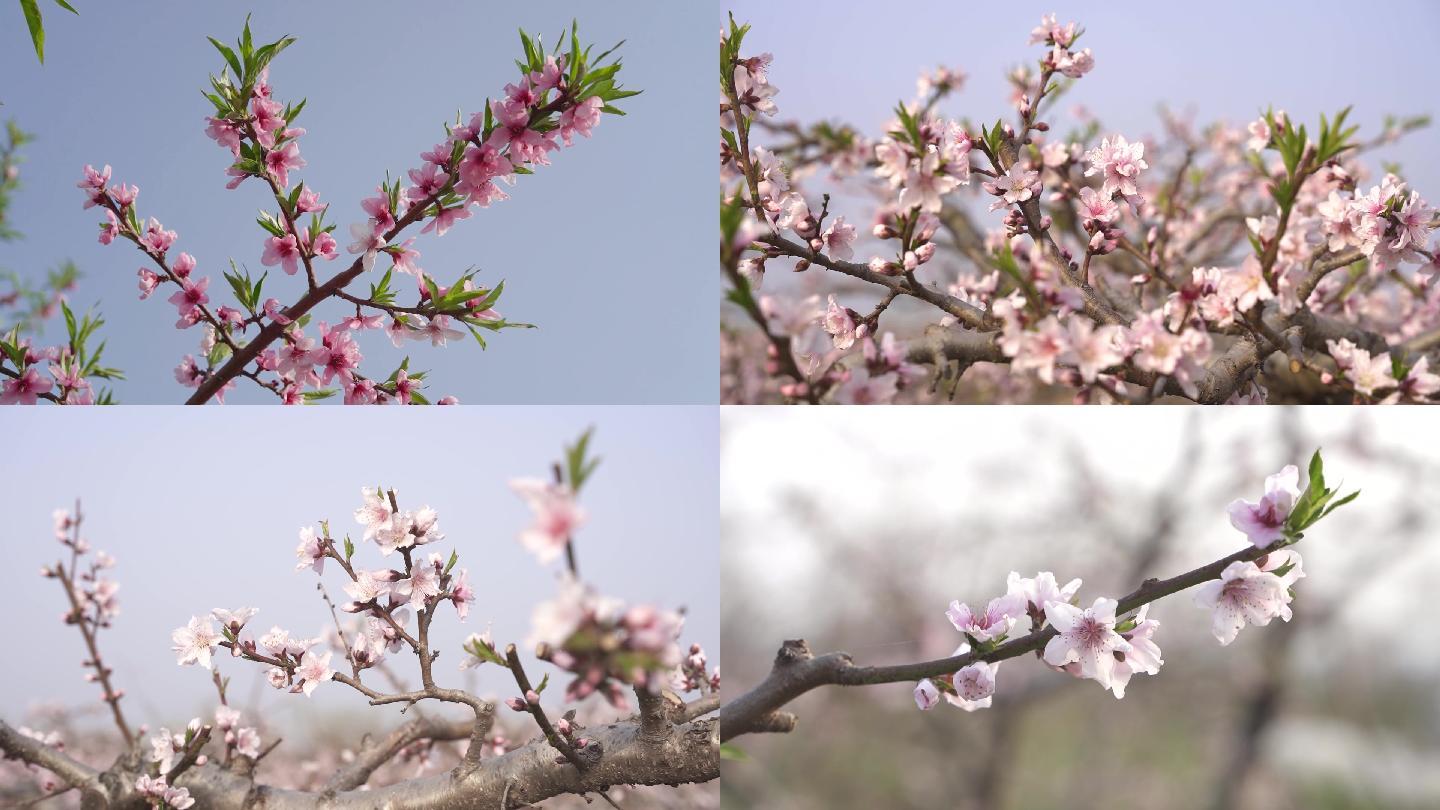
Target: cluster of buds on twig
(569, 730)
(694, 673)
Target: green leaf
(37, 27)
(69, 320)
(1316, 472)
(731, 752)
(230, 58)
(349, 548)
(578, 465)
(1347, 499)
(1315, 502)
(15, 353)
(544, 682)
(484, 652)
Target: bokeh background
(592, 247)
(202, 509)
(854, 528)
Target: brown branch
(699, 708)
(317, 294)
(968, 314)
(74, 773)
(375, 753)
(527, 775)
(190, 754)
(521, 777)
(102, 672)
(512, 659)
(796, 671)
(654, 719)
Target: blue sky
(597, 249)
(1223, 60)
(197, 522)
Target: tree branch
(690, 753)
(76, 774)
(796, 671)
(375, 753)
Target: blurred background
(122, 86)
(855, 528)
(202, 509)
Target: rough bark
(685, 753)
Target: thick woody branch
(690, 753)
(76, 774)
(797, 671)
(654, 719)
(699, 708)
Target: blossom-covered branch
(605, 645)
(1109, 641)
(1207, 268)
(560, 93)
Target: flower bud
(517, 704)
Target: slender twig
(88, 628)
(512, 659)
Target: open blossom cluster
(158, 793)
(1256, 592)
(1213, 266)
(1099, 643)
(384, 598)
(54, 370)
(605, 643)
(1089, 643)
(557, 516)
(265, 339)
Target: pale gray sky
(201, 508)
